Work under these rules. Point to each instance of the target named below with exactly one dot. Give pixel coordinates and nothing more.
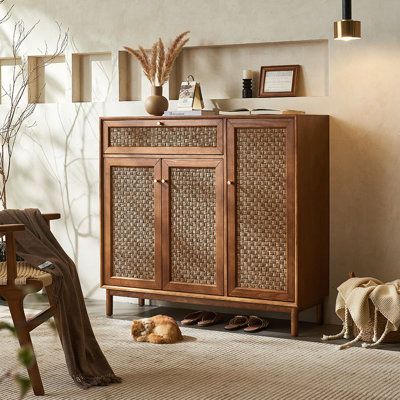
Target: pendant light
(347, 29)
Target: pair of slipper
(250, 324)
(202, 318)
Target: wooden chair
(14, 295)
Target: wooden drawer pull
(159, 123)
(163, 181)
(156, 181)
(229, 183)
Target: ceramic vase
(156, 104)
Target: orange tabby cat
(159, 330)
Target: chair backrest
(8, 247)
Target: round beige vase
(156, 104)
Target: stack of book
(238, 111)
(189, 113)
(259, 111)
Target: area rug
(213, 365)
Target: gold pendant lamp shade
(347, 29)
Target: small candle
(247, 74)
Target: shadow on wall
(364, 172)
(66, 178)
(66, 143)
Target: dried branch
(160, 60)
(7, 15)
(18, 113)
(158, 67)
(141, 59)
(172, 54)
(153, 62)
(146, 60)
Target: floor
(279, 328)
(214, 365)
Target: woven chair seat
(25, 271)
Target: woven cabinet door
(192, 223)
(132, 222)
(261, 211)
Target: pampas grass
(158, 66)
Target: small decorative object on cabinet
(157, 67)
(190, 97)
(156, 104)
(220, 211)
(278, 81)
(247, 90)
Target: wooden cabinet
(217, 211)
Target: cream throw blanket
(355, 296)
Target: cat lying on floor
(159, 329)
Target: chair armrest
(51, 216)
(11, 228)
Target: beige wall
(57, 165)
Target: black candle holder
(247, 88)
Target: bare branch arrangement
(158, 65)
(23, 76)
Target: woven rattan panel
(133, 222)
(261, 208)
(193, 225)
(179, 136)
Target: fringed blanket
(355, 297)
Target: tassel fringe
(380, 340)
(375, 338)
(345, 332)
(349, 344)
(340, 335)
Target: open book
(259, 111)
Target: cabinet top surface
(216, 116)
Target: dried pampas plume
(158, 66)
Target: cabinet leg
(109, 304)
(294, 322)
(319, 313)
(141, 302)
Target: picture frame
(278, 81)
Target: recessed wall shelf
(91, 76)
(130, 77)
(47, 79)
(219, 68)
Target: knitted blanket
(355, 297)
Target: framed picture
(278, 81)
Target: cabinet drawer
(163, 136)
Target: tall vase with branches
(19, 111)
(157, 66)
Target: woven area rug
(214, 365)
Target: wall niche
(48, 79)
(219, 68)
(91, 77)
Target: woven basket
(368, 334)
